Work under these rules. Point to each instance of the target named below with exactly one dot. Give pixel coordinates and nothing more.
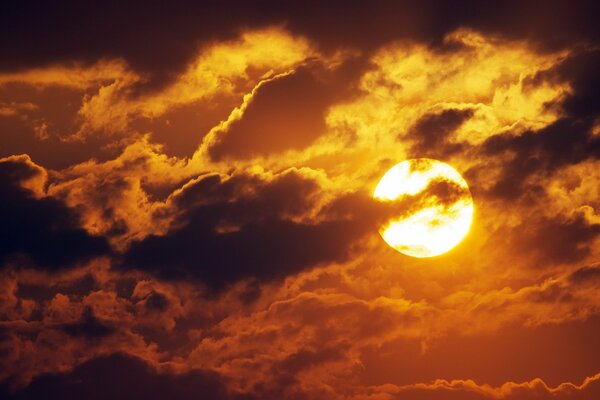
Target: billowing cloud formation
(187, 210)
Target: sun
(434, 207)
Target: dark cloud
(287, 112)
(156, 301)
(160, 39)
(41, 232)
(439, 192)
(581, 70)
(268, 249)
(254, 197)
(284, 381)
(569, 140)
(444, 192)
(45, 290)
(432, 131)
(557, 239)
(89, 326)
(121, 376)
(221, 238)
(564, 142)
(586, 275)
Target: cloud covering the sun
(199, 216)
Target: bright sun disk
(439, 222)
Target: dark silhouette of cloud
(555, 239)
(120, 376)
(89, 326)
(581, 70)
(39, 232)
(586, 275)
(222, 236)
(431, 133)
(159, 39)
(564, 142)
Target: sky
(187, 211)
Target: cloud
(396, 340)
(132, 376)
(468, 389)
(77, 76)
(586, 275)
(407, 83)
(89, 326)
(305, 332)
(567, 141)
(557, 240)
(121, 376)
(579, 70)
(431, 133)
(243, 227)
(117, 198)
(14, 108)
(212, 73)
(106, 104)
(39, 231)
(49, 29)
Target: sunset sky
(187, 203)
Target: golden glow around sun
(438, 207)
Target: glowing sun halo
(435, 207)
